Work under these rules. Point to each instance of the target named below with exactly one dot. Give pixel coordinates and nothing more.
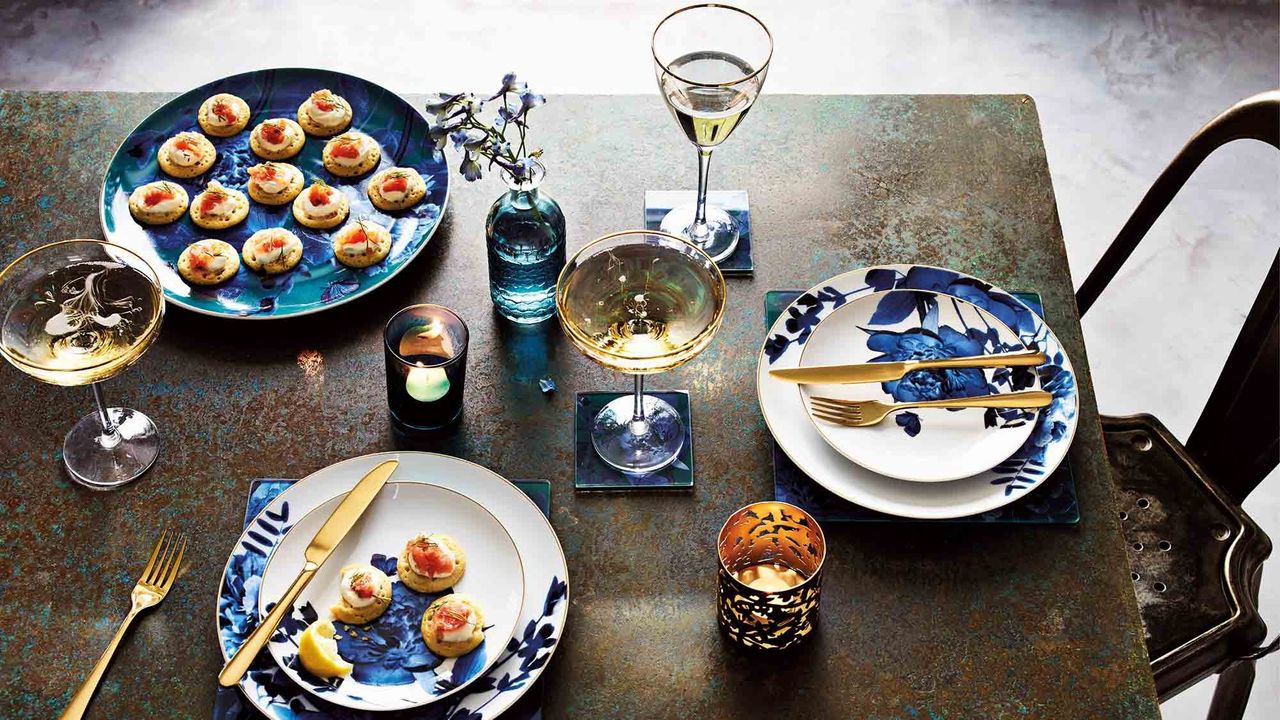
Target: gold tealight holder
(771, 556)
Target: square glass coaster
(657, 203)
(592, 473)
(1053, 503)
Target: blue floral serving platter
(543, 611)
(785, 413)
(494, 579)
(318, 282)
(923, 444)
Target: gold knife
(344, 517)
(886, 371)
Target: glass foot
(638, 448)
(720, 237)
(101, 465)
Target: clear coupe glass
(76, 313)
(640, 302)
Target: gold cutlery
(344, 517)
(864, 413)
(886, 371)
(157, 578)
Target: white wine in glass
(76, 313)
(640, 302)
(711, 61)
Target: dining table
(917, 619)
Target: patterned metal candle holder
(771, 556)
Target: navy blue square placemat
(1053, 503)
(229, 703)
(657, 203)
(591, 473)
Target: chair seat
(1196, 557)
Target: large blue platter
(318, 282)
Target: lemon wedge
(318, 651)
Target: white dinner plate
(925, 444)
(493, 577)
(544, 607)
(788, 419)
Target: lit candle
(426, 384)
(771, 577)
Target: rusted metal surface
(917, 621)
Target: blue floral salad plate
(319, 281)
(787, 416)
(493, 578)
(389, 655)
(925, 444)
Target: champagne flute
(640, 302)
(76, 313)
(711, 61)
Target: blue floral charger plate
(922, 444)
(785, 413)
(319, 281)
(541, 623)
(494, 579)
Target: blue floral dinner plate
(787, 418)
(520, 661)
(318, 282)
(922, 444)
(494, 579)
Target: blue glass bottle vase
(525, 233)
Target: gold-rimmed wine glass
(78, 312)
(640, 302)
(711, 61)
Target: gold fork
(152, 587)
(864, 413)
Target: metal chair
(1196, 557)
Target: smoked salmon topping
(319, 195)
(427, 555)
(273, 133)
(224, 112)
(395, 183)
(156, 196)
(347, 149)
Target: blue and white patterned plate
(785, 413)
(927, 444)
(318, 282)
(494, 578)
(542, 616)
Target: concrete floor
(1120, 85)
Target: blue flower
(469, 139)
(921, 344)
(512, 85)
(390, 650)
(529, 101)
(469, 168)
(443, 106)
(1053, 426)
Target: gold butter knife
(344, 517)
(886, 371)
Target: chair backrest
(1237, 438)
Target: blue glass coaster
(229, 704)
(591, 473)
(657, 203)
(1053, 503)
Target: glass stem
(110, 435)
(699, 229)
(637, 416)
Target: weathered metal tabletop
(918, 621)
